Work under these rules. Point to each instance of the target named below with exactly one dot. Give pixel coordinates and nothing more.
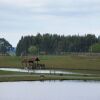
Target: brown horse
(30, 62)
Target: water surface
(50, 90)
(38, 71)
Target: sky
(65, 17)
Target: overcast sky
(28, 17)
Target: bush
(95, 48)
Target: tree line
(56, 44)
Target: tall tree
(56, 44)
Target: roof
(34, 59)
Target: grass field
(73, 63)
(68, 62)
(10, 61)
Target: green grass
(11, 73)
(72, 62)
(47, 77)
(10, 61)
(75, 63)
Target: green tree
(33, 50)
(95, 48)
(5, 46)
(55, 44)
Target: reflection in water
(38, 71)
(50, 90)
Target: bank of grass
(45, 77)
(23, 76)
